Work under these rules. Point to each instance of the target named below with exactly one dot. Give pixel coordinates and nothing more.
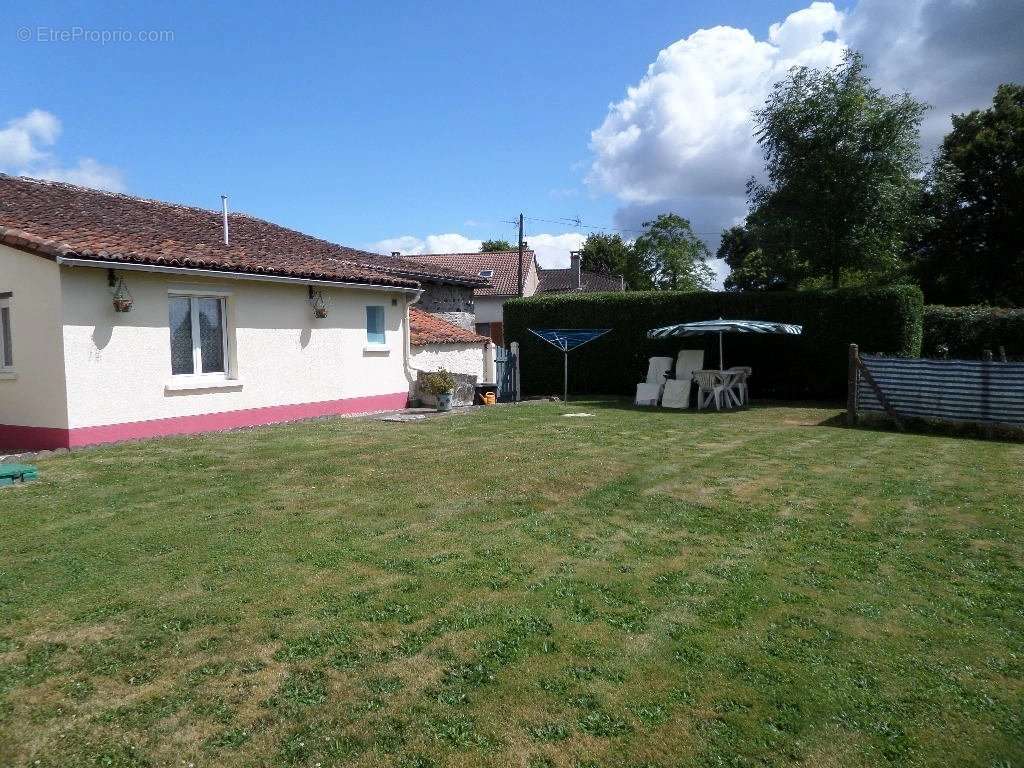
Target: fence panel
(957, 390)
(505, 362)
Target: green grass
(516, 588)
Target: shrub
(967, 332)
(438, 382)
(881, 320)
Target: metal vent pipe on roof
(224, 205)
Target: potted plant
(441, 385)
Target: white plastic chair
(739, 383)
(709, 389)
(677, 390)
(688, 361)
(649, 391)
(676, 393)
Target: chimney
(574, 267)
(396, 254)
(224, 206)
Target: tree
(751, 269)
(489, 246)
(604, 253)
(672, 255)
(611, 255)
(974, 251)
(842, 159)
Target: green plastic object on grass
(13, 473)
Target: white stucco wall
(118, 365)
(455, 358)
(34, 395)
(489, 309)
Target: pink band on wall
(48, 438)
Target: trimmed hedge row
(812, 366)
(968, 331)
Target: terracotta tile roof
(56, 219)
(425, 328)
(504, 282)
(563, 280)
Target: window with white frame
(6, 334)
(199, 342)
(375, 325)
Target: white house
(273, 326)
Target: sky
(423, 127)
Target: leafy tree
(751, 269)
(611, 255)
(489, 246)
(672, 256)
(974, 252)
(842, 159)
(605, 253)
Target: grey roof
(564, 280)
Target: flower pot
(122, 305)
(444, 401)
(320, 312)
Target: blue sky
(364, 123)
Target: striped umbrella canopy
(721, 326)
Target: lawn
(518, 588)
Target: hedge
(812, 366)
(968, 331)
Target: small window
(488, 273)
(198, 337)
(6, 335)
(375, 325)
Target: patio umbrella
(721, 326)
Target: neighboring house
(275, 326)
(576, 279)
(450, 298)
(501, 270)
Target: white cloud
(552, 250)
(686, 128)
(24, 150)
(403, 244)
(949, 53)
(411, 245)
(451, 243)
(87, 173)
(682, 138)
(21, 142)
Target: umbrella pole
(721, 363)
(565, 376)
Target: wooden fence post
(851, 387)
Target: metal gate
(505, 364)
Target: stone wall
(454, 303)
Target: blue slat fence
(977, 391)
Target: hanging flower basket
(122, 298)
(316, 299)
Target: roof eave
(130, 266)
